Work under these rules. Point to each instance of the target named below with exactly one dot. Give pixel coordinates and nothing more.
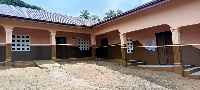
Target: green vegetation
(111, 13)
(20, 4)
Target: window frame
(129, 45)
(20, 42)
(83, 44)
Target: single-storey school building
(161, 32)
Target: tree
(20, 4)
(85, 14)
(95, 17)
(112, 13)
(109, 14)
(119, 11)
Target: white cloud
(145, 1)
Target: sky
(95, 7)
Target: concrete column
(8, 31)
(93, 42)
(178, 67)
(53, 44)
(123, 49)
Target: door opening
(103, 51)
(61, 50)
(165, 54)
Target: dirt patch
(92, 75)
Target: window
(83, 44)
(20, 43)
(150, 43)
(129, 44)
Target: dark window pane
(27, 45)
(27, 48)
(13, 48)
(18, 40)
(18, 48)
(23, 36)
(127, 39)
(23, 45)
(18, 36)
(22, 48)
(18, 44)
(27, 40)
(13, 36)
(27, 36)
(13, 40)
(23, 40)
(13, 44)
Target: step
(196, 73)
(134, 61)
(137, 63)
(192, 68)
(187, 72)
(24, 64)
(188, 66)
(46, 63)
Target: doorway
(165, 54)
(61, 50)
(103, 51)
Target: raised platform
(46, 63)
(74, 59)
(168, 68)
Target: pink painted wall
(69, 36)
(147, 34)
(36, 36)
(2, 35)
(190, 35)
(175, 13)
(113, 38)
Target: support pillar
(123, 49)
(93, 42)
(178, 66)
(53, 44)
(8, 44)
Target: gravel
(92, 75)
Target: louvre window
(129, 45)
(20, 43)
(83, 44)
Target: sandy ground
(92, 75)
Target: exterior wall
(37, 52)
(175, 13)
(70, 35)
(42, 26)
(114, 52)
(139, 38)
(113, 38)
(36, 36)
(73, 50)
(190, 35)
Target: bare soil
(92, 75)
